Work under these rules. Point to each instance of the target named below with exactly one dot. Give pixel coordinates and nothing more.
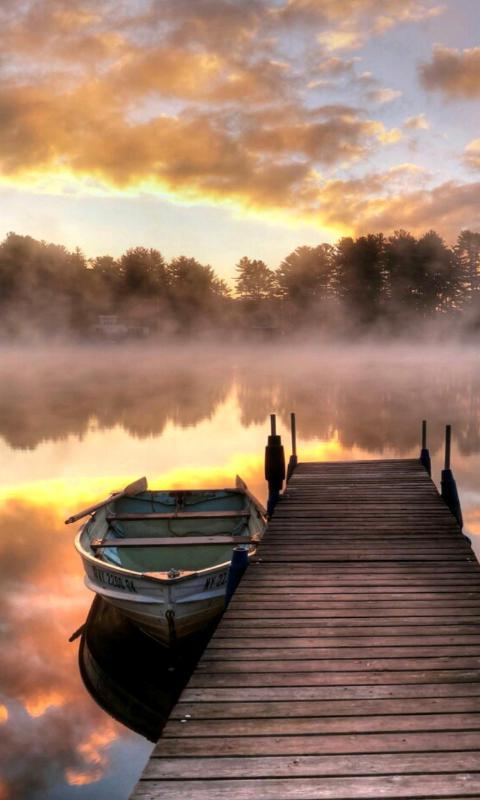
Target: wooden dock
(348, 662)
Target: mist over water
(368, 396)
(78, 422)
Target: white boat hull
(166, 610)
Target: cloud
(333, 40)
(337, 67)
(471, 155)
(152, 97)
(455, 73)
(331, 134)
(386, 202)
(380, 13)
(382, 96)
(254, 158)
(166, 105)
(348, 25)
(417, 123)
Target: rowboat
(163, 557)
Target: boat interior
(176, 530)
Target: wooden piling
(293, 461)
(448, 483)
(424, 452)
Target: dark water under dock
(74, 427)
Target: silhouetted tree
(401, 265)
(40, 285)
(47, 288)
(307, 275)
(196, 292)
(439, 278)
(467, 250)
(306, 284)
(255, 281)
(143, 272)
(361, 276)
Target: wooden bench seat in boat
(179, 515)
(171, 541)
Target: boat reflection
(131, 676)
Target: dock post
(274, 466)
(238, 565)
(424, 452)
(293, 458)
(449, 486)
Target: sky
(228, 128)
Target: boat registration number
(215, 581)
(111, 579)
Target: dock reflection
(131, 676)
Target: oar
(77, 633)
(132, 489)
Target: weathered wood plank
(221, 643)
(344, 692)
(293, 665)
(399, 742)
(302, 766)
(360, 555)
(396, 634)
(301, 591)
(323, 584)
(325, 708)
(404, 611)
(361, 677)
(322, 725)
(419, 787)
(214, 655)
(380, 604)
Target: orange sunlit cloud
(93, 752)
(38, 704)
(208, 103)
(261, 165)
(472, 154)
(419, 122)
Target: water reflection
(372, 398)
(52, 739)
(131, 676)
(76, 424)
(63, 391)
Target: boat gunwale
(148, 576)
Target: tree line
(355, 284)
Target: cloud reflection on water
(52, 728)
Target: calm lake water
(76, 424)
